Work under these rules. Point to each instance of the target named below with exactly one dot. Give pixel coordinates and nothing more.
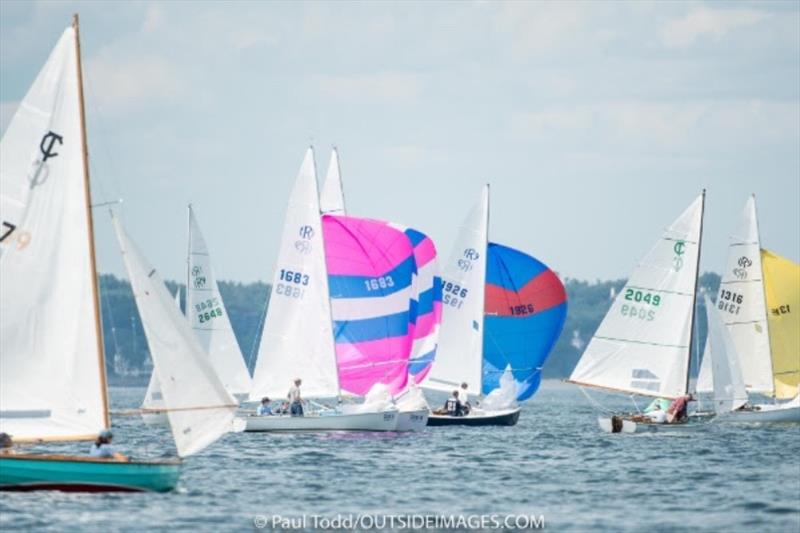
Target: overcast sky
(596, 123)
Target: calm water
(555, 463)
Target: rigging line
(633, 399)
(595, 402)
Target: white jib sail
(209, 318)
(51, 372)
(331, 198)
(199, 408)
(742, 303)
(729, 389)
(642, 345)
(459, 357)
(153, 399)
(705, 383)
(297, 341)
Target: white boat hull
(629, 426)
(381, 421)
(768, 413)
(155, 419)
(412, 420)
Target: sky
(596, 123)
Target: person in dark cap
(6, 444)
(103, 449)
(265, 409)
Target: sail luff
(90, 224)
(482, 292)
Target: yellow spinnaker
(782, 289)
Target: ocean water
(554, 464)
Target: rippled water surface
(555, 463)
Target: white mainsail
(459, 358)
(743, 305)
(729, 389)
(331, 198)
(52, 370)
(297, 340)
(199, 408)
(643, 344)
(209, 318)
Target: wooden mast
(101, 359)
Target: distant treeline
(246, 303)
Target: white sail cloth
(459, 357)
(729, 388)
(642, 345)
(52, 383)
(297, 340)
(199, 408)
(743, 306)
(331, 199)
(209, 318)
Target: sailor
(6, 444)
(295, 400)
(102, 447)
(657, 415)
(265, 409)
(453, 405)
(678, 410)
(464, 396)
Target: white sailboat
(460, 355)
(643, 345)
(767, 345)
(52, 363)
(199, 408)
(206, 312)
(413, 410)
(297, 341)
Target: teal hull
(24, 472)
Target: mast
(764, 293)
(483, 293)
(694, 294)
(188, 255)
(101, 358)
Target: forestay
(526, 306)
(370, 266)
(199, 408)
(209, 318)
(729, 388)
(297, 341)
(782, 286)
(643, 344)
(459, 357)
(52, 375)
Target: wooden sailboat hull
(412, 420)
(506, 417)
(380, 421)
(27, 472)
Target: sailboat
(298, 339)
(425, 305)
(208, 317)
(643, 345)
(758, 293)
(52, 363)
(503, 312)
